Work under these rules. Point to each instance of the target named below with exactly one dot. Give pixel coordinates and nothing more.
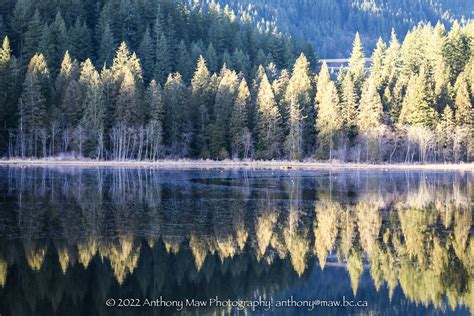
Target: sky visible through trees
(158, 79)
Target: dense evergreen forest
(203, 85)
(331, 24)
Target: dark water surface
(397, 243)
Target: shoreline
(231, 164)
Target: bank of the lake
(237, 164)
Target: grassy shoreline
(231, 164)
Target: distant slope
(331, 24)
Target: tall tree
(240, 134)
(269, 144)
(329, 118)
(299, 96)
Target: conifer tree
(445, 133)
(378, 60)
(33, 107)
(463, 106)
(146, 52)
(240, 134)
(93, 109)
(329, 118)
(349, 107)
(417, 106)
(126, 110)
(202, 100)
(176, 122)
(357, 64)
(370, 116)
(107, 46)
(279, 87)
(370, 112)
(219, 132)
(269, 144)
(456, 49)
(299, 96)
(183, 62)
(155, 110)
(32, 37)
(8, 76)
(163, 64)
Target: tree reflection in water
(71, 238)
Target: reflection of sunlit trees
(86, 249)
(415, 224)
(355, 267)
(369, 222)
(325, 228)
(265, 223)
(35, 254)
(123, 255)
(462, 227)
(199, 249)
(294, 233)
(3, 271)
(297, 242)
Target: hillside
(331, 24)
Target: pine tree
(212, 59)
(329, 118)
(202, 98)
(417, 106)
(176, 122)
(126, 112)
(67, 73)
(349, 107)
(240, 134)
(219, 132)
(54, 42)
(369, 120)
(269, 144)
(155, 110)
(146, 52)
(183, 62)
(107, 46)
(163, 64)
(299, 96)
(456, 49)
(32, 37)
(370, 110)
(80, 40)
(8, 76)
(19, 22)
(33, 107)
(93, 107)
(463, 106)
(279, 86)
(357, 64)
(377, 69)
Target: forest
(160, 79)
(331, 24)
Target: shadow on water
(72, 238)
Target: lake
(116, 241)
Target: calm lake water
(394, 242)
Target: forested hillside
(331, 24)
(153, 79)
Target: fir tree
(417, 106)
(299, 96)
(202, 100)
(268, 123)
(357, 64)
(239, 131)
